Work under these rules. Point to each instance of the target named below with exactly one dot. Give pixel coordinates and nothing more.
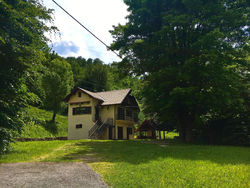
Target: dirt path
(49, 174)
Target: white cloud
(98, 16)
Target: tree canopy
(57, 83)
(22, 39)
(189, 54)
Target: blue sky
(96, 15)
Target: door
(120, 133)
(129, 131)
(110, 133)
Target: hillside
(38, 124)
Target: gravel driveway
(49, 174)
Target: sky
(97, 15)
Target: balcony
(126, 114)
(124, 122)
(110, 121)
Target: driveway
(49, 174)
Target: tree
(187, 52)
(118, 80)
(90, 74)
(22, 40)
(95, 77)
(78, 64)
(57, 82)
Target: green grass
(38, 124)
(169, 135)
(141, 164)
(31, 151)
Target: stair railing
(94, 128)
(99, 126)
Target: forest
(186, 61)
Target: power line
(87, 29)
(90, 82)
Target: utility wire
(94, 83)
(87, 29)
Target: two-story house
(101, 115)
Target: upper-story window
(79, 94)
(128, 113)
(81, 110)
(121, 114)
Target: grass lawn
(142, 164)
(38, 124)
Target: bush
(231, 130)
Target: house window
(129, 113)
(79, 94)
(81, 110)
(78, 126)
(121, 114)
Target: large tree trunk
(181, 130)
(53, 117)
(186, 129)
(188, 134)
(183, 133)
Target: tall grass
(38, 124)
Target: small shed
(147, 129)
(150, 129)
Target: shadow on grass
(137, 152)
(50, 127)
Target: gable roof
(106, 97)
(147, 125)
(113, 97)
(91, 94)
(152, 124)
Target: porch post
(115, 132)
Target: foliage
(94, 75)
(190, 55)
(89, 74)
(77, 65)
(95, 78)
(33, 80)
(37, 124)
(119, 80)
(140, 164)
(57, 82)
(22, 27)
